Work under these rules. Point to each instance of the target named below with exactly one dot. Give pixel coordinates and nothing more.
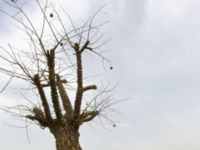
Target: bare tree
(52, 65)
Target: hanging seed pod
(51, 15)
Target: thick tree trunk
(66, 138)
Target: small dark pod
(51, 15)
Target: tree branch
(85, 46)
(79, 91)
(54, 95)
(64, 96)
(88, 116)
(43, 98)
(89, 87)
(38, 116)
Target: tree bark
(67, 138)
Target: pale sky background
(155, 52)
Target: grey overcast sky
(155, 52)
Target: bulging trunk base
(66, 138)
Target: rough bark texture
(67, 138)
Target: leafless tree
(52, 65)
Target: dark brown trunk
(66, 138)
